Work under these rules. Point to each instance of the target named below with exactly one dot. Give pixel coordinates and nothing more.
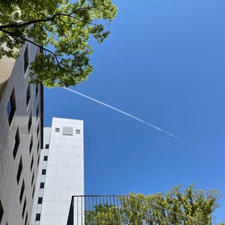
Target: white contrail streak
(125, 113)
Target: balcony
(121, 210)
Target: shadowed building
(21, 120)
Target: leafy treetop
(190, 203)
(61, 29)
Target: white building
(61, 172)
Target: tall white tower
(61, 172)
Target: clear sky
(163, 62)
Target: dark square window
(42, 185)
(24, 207)
(11, 107)
(26, 59)
(57, 129)
(40, 199)
(43, 172)
(46, 158)
(29, 123)
(19, 171)
(16, 143)
(32, 162)
(28, 94)
(22, 191)
(47, 146)
(38, 217)
(1, 211)
(77, 131)
(32, 180)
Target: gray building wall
(16, 147)
(64, 172)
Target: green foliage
(193, 203)
(175, 207)
(61, 29)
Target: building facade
(61, 172)
(21, 120)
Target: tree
(193, 203)
(62, 31)
(175, 207)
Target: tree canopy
(61, 29)
(174, 207)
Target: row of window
(11, 107)
(67, 131)
(17, 142)
(23, 211)
(42, 185)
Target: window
(37, 112)
(32, 180)
(43, 172)
(40, 200)
(37, 90)
(22, 191)
(24, 207)
(77, 131)
(29, 123)
(28, 94)
(11, 107)
(32, 162)
(42, 185)
(68, 131)
(38, 160)
(38, 217)
(19, 171)
(26, 219)
(38, 147)
(1, 211)
(16, 143)
(46, 158)
(47, 146)
(57, 129)
(38, 130)
(31, 144)
(33, 191)
(26, 59)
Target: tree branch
(32, 42)
(18, 25)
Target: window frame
(42, 185)
(11, 112)
(38, 217)
(22, 191)
(19, 170)
(26, 60)
(16, 143)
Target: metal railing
(122, 210)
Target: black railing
(122, 210)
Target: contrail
(125, 113)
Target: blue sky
(163, 62)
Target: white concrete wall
(40, 178)
(65, 172)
